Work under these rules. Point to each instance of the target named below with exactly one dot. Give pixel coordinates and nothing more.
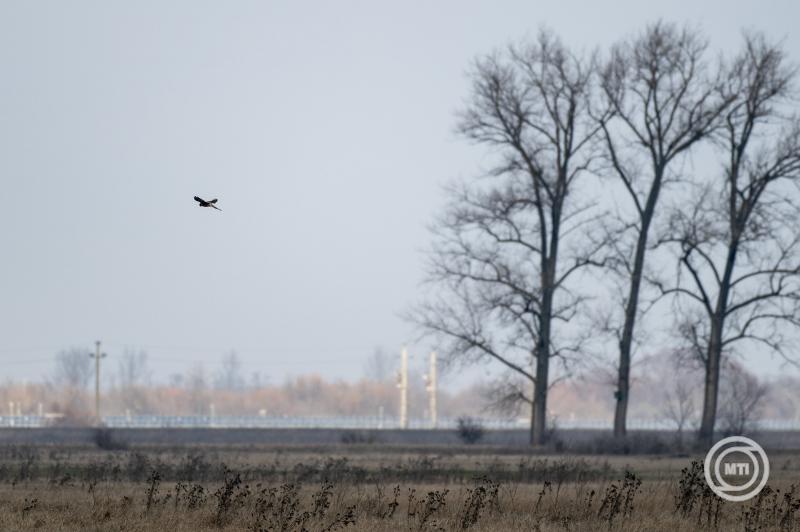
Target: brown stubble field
(374, 487)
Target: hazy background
(325, 130)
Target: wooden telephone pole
(97, 355)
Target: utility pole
(403, 385)
(97, 355)
(430, 378)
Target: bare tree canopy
(681, 384)
(662, 98)
(380, 365)
(72, 374)
(195, 384)
(742, 395)
(230, 376)
(736, 240)
(508, 245)
(134, 375)
(132, 369)
(73, 368)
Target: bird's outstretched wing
(197, 198)
(213, 200)
(214, 206)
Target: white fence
(362, 422)
(337, 422)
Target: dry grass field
(375, 488)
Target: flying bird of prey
(209, 203)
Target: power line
(268, 356)
(272, 347)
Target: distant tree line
(128, 387)
(668, 391)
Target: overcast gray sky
(324, 128)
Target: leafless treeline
(666, 391)
(636, 193)
(129, 388)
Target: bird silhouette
(209, 203)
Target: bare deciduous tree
(195, 383)
(134, 375)
(257, 381)
(681, 391)
(73, 369)
(508, 245)
(72, 374)
(679, 405)
(662, 99)
(736, 241)
(508, 394)
(230, 376)
(741, 396)
(380, 365)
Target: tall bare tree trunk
(705, 435)
(540, 386)
(626, 342)
(543, 347)
(539, 421)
